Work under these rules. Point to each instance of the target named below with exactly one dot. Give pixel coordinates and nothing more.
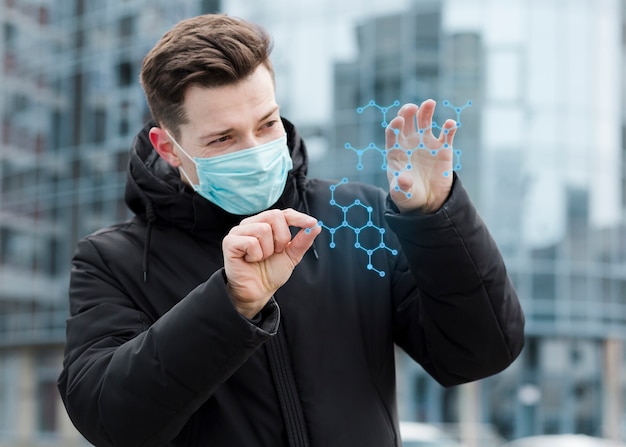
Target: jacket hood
(156, 193)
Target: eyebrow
(230, 129)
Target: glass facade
(542, 156)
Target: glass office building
(541, 152)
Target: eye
(270, 123)
(219, 140)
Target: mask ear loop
(180, 168)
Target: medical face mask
(243, 182)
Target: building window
(10, 33)
(43, 15)
(125, 74)
(47, 401)
(211, 6)
(124, 127)
(47, 394)
(99, 123)
(127, 27)
(8, 391)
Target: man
(212, 319)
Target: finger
(392, 132)
(242, 247)
(261, 231)
(301, 242)
(408, 112)
(278, 226)
(297, 219)
(448, 131)
(425, 116)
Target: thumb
(301, 242)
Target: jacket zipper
(291, 408)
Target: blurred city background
(542, 156)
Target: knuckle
(265, 229)
(274, 213)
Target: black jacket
(157, 355)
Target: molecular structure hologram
(369, 224)
(358, 230)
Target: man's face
(226, 119)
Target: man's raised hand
(424, 186)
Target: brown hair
(210, 50)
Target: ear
(164, 146)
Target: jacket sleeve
(464, 321)
(126, 382)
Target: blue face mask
(243, 182)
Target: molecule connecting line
(358, 231)
(384, 152)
